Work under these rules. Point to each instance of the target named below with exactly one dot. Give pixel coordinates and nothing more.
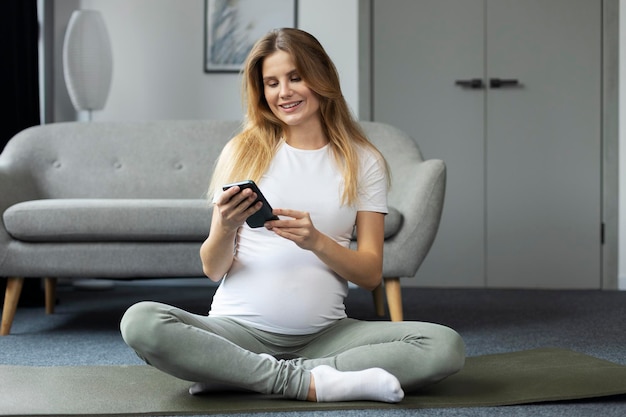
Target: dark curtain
(19, 88)
(19, 83)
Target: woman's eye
(296, 79)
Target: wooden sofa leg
(379, 301)
(11, 298)
(394, 298)
(50, 287)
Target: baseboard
(621, 284)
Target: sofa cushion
(122, 220)
(109, 220)
(393, 222)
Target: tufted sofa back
(152, 159)
(402, 154)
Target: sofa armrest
(16, 185)
(422, 196)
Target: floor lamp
(88, 69)
(87, 61)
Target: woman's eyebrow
(273, 77)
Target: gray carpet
(84, 332)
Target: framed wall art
(231, 27)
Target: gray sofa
(124, 200)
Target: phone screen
(259, 218)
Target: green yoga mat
(530, 376)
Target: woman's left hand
(299, 229)
(362, 266)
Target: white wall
(335, 24)
(158, 58)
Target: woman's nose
(285, 91)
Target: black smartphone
(259, 218)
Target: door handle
(498, 83)
(474, 83)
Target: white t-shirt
(274, 285)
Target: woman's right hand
(234, 206)
(230, 211)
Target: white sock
(374, 384)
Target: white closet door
(524, 164)
(544, 143)
(420, 48)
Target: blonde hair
(249, 154)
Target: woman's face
(287, 95)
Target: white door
(419, 49)
(523, 198)
(543, 143)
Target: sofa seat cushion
(122, 220)
(109, 220)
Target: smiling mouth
(290, 105)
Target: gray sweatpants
(223, 351)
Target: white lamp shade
(87, 60)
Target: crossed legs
(370, 360)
